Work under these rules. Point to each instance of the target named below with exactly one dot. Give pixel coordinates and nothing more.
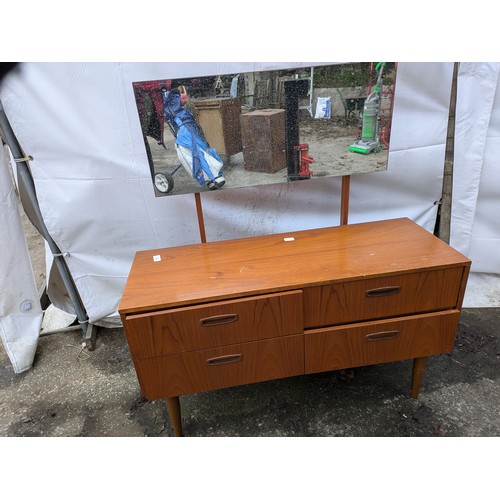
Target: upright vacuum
(369, 141)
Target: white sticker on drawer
(289, 239)
(156, 258)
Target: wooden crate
(220, 121)
(263, 138)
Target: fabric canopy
(80, 123)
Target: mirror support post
(344, 199)
(199, 212)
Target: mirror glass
(249, 129)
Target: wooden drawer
(216, 324)
(380, 341)
(227, 366)
(375, 298)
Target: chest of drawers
(214, 315)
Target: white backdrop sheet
(20, 310)
(476, 198)
(79, 121)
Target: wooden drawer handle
(383, 291)
(224, 360)
(218, 320)
(382, 335)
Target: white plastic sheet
(80, 122)
(20, 311)
(475, 229)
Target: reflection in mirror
(267, 127)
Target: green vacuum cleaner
(369, 141)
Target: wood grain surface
(243, 267)
(380, 341)
(185, 373)
(383, 297)
(216, 324)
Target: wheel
(217, 183)
(164, 183)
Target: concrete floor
(73, 393)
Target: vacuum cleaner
(369, 141)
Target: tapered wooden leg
(174, 412)
(419, 365)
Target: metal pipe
(444, 231)
(27, 184)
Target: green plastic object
(359, 150)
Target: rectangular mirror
(250, 129)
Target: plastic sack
(323, 107)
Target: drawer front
(383, 297)
(212, 325)
(221, 367)
(380, 341)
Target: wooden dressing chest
(214, 315)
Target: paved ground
(70, 393)
(73, 393)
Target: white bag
(323, 107)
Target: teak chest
(214, 315)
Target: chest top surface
(176, 276)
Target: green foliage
(349, 75)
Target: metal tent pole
(444, 230)
(27, 185)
